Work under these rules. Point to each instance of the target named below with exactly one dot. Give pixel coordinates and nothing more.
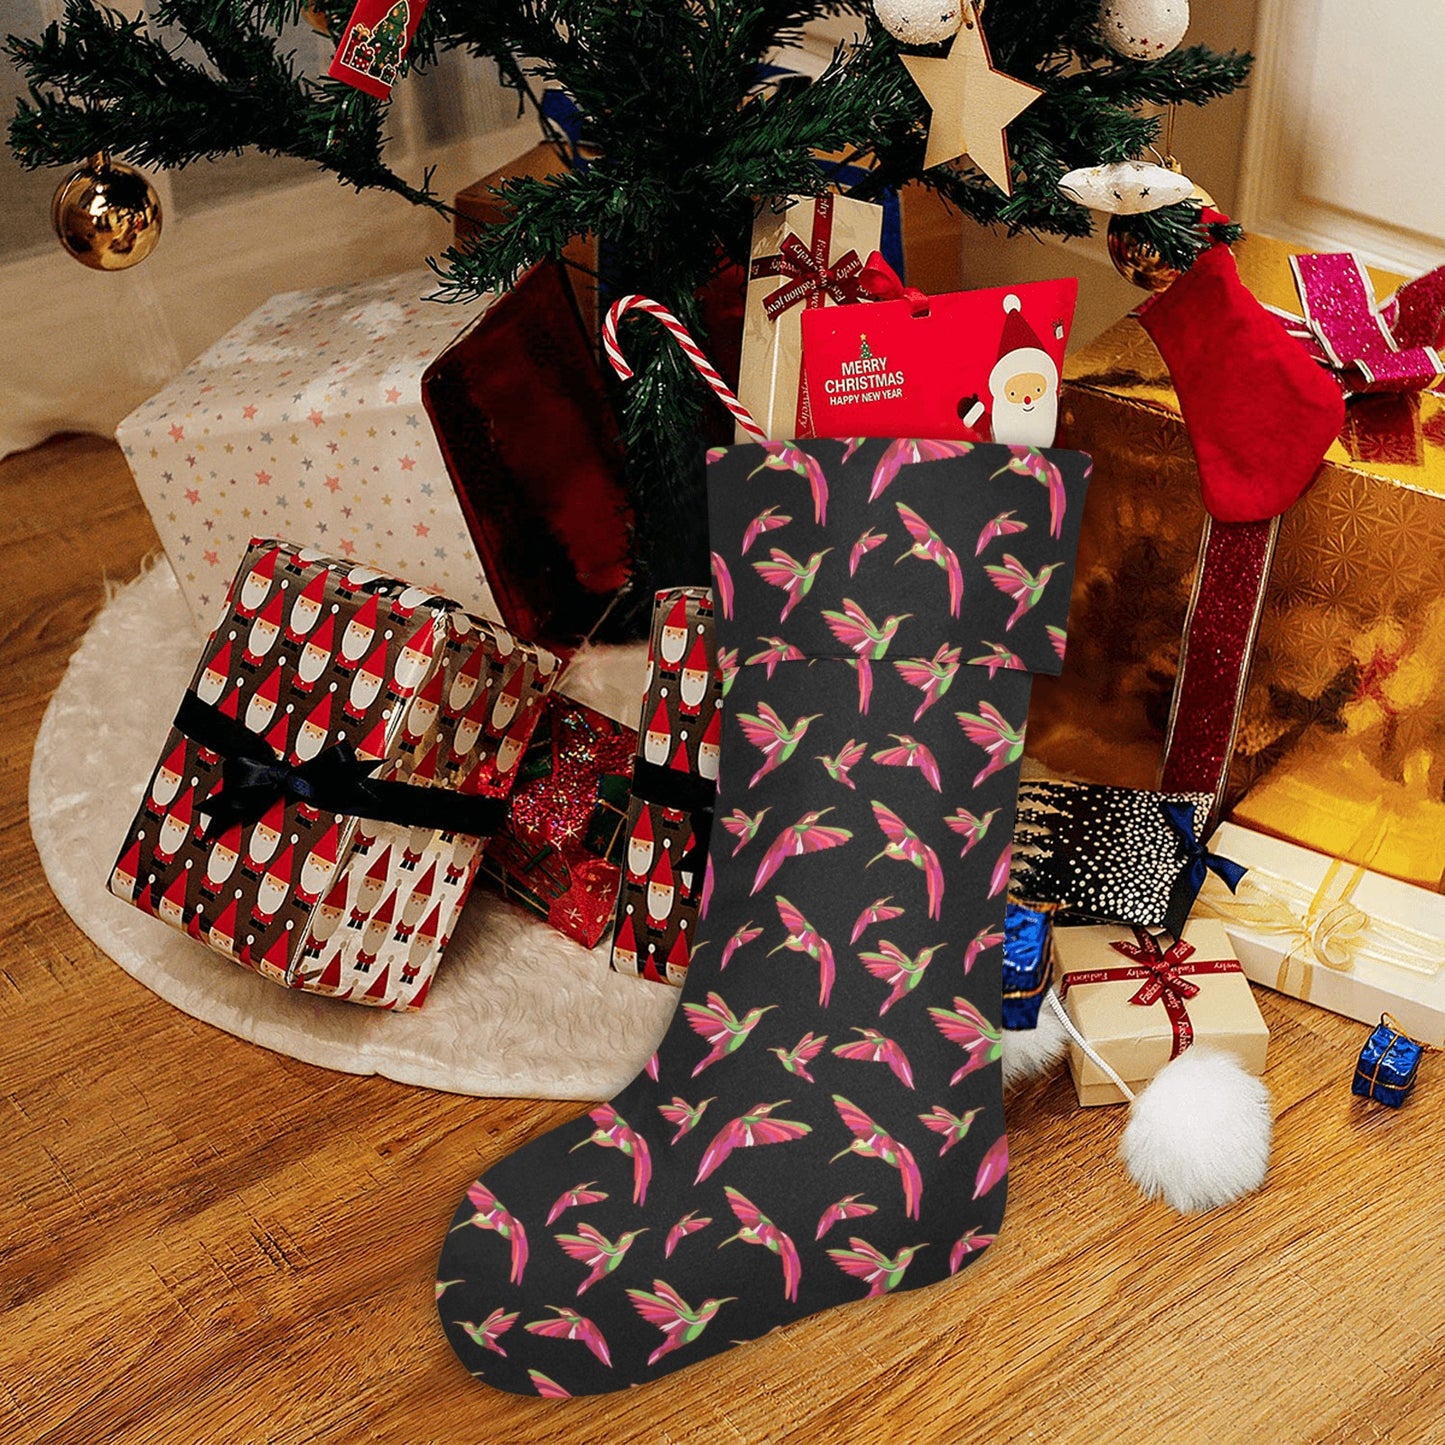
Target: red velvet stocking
(1261, 414)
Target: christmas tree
(682, 131)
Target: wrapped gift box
(559, 854)
(1342, 743)
(1027, 962)
(675, 776)
(1351, 941)
(806, 252)
(1192, 993)
(308, 419)
(1386, 1068)
(313, 657)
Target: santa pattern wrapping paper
(674, 779)
(306, 420)
(315, 661)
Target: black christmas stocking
(823, 1121)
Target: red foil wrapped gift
(559, 854)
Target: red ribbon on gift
(812, 280)
(1369, 347)
(878, 281)
(1164, 975)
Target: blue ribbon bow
(1198, 860)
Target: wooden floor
(201, 1241)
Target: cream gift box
(1351, 941)
(1140, 1000)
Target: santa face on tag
(1023, 385)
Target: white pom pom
(1143, 29)
(1028, 1053)
(919, 22)
(1198, 1136)
(1011, 303)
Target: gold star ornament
(971, 103)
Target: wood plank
(200, 1240)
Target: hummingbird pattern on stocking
(823, 1121)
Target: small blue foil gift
(1027, 934)
(1388, 1064)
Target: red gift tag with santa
(372, 52)
(970, 365)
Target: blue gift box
(1026, 959)
(1388, 1064)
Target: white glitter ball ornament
(1143, 29)
(920, 22)
(1125, 188)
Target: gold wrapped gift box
(1341, 747)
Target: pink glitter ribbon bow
(1369, 347)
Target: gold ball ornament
(107, 215)
(1136, 260)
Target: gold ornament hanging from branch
(972, 103)
(106, 214)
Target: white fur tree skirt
(516, 1009)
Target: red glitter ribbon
(1369, 347)
(1165, 979)
(557, 806)
(813, 281)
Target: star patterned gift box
(317, 809)
(1141, 1000)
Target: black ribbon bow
(334, 781)
(684, 793)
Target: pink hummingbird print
(743, 827)
(723, 581)
(931, 676)
(727, 666)
(985, 939)
(804, 938)
(601, 1255)
(895, 968)
(683, 1114)
(847, 1207)
(768, 520)
(970, 1243)
(881, 910)
(572, 1198)
(690, 1223)
(492, 1214)
(969, 826)
(904, 452)
(853, 444)
(910, 753)
(491, 1329)
(1015, 580)
(569, 1325)
(757, 1228)
(907, 847)
(722, 1028)
(996, 657)
(862, 547)
(869, 640)
(928, 546)
(872, 1141)
(965, 1026)
(1027, 462)
(796, 1059)
(807, 835)
(744, 935)
(777, 742)
(875, 1268)
(547, 1387)
(953, 1127)
(785, 457)
(775, 652)
(794, 578)
(992, 1167)
(679, 1322)
(847, 758)
(755, 1127)
(872, 1047)
(1002, 525)
(1003, 743)
(651, 1066)
(1058, 639)
(614, 1132)
(999, 881)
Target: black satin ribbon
(684, 793)
(334, 781)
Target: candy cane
(694, 354)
